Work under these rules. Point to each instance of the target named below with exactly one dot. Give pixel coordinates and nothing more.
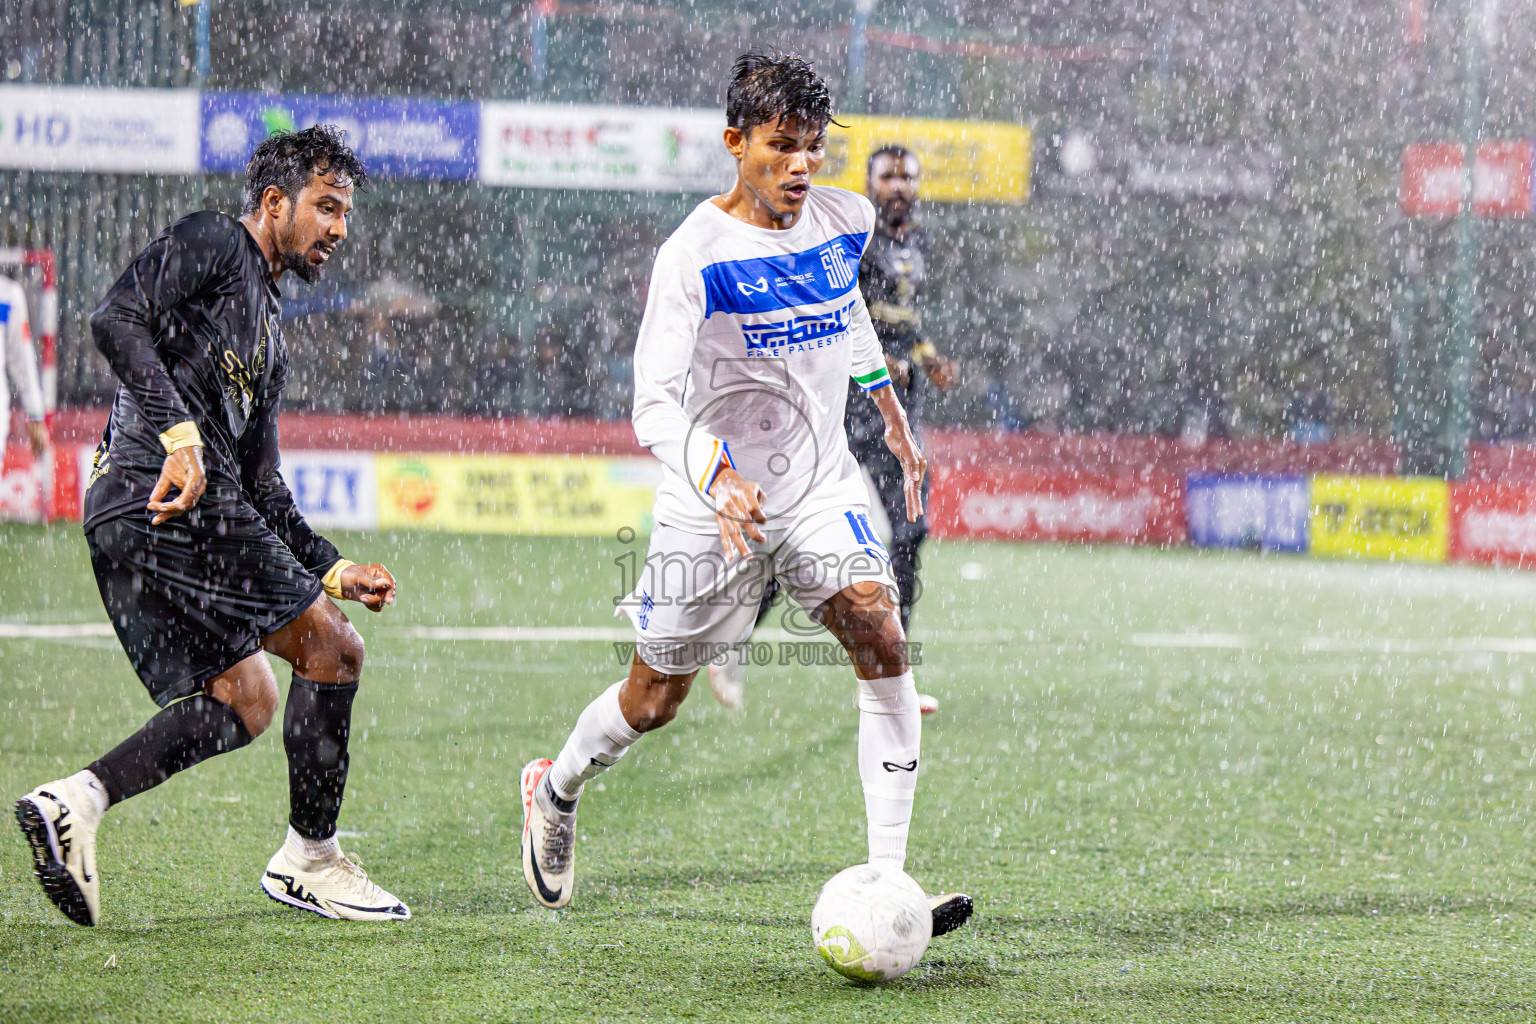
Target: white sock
(86, 779)
(600, 738)
(890, 735)
(314, 849)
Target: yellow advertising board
(566, 495)
(1381, 517)
(963, 161)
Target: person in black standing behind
(892, 276)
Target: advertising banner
(962, 161)
(536, 145)
(1433, 180)
(334, 490)
(1381, 517)
(565, 495)
(24, 483)
(1238, 511)
(113, 131)
(396, 138)
(1494, 524)
(1005, 505)
(21, 486)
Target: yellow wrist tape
(923, 350)
(182, 435)
(331, 581)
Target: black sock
(315, 729)
(185, 733)
(560, 802)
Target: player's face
(316, 225)
(893, 184)
(779, 161)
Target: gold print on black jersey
(240, 380)
(237, 380)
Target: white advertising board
(116, 131)
(334, 490)
(593, 147)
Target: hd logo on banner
(113, 131)
(1381, 517)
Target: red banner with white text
(1086, 507)
(1494, 524)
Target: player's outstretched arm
(738, 510)
(372, 585)
(898, 437)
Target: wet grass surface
(1182, 786)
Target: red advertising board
(1025, 505)
(1501, 181)
(1494, 524)
(22, 486)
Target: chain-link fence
(1310, 304)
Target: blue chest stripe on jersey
(772, 283)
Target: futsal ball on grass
(871, 923)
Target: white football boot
(728, 682)
(549, 838)
(336, 887)
(60, 822)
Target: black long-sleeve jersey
(891, 277)
(191, 330)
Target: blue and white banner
(334, 490)
(1232, 511)
(396, 138)
(115, 131)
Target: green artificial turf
(1182, 786)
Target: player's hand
(914, 467)
(183, 472)
(738, 510)
(37, 437)
(899, 439)
(369, 585)
(900, 371)
(942, 371)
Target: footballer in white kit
(19, 363)
(753, 326)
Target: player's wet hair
(289, 159)
(893, 150)
(767, 88)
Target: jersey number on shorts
(865, 535)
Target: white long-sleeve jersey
(20, 359)
(749, 337)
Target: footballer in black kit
(202, 557)
(892, 276)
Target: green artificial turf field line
(1194, 787)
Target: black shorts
(193, 597)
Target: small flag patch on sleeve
(874, 380)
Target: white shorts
(689, 607)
